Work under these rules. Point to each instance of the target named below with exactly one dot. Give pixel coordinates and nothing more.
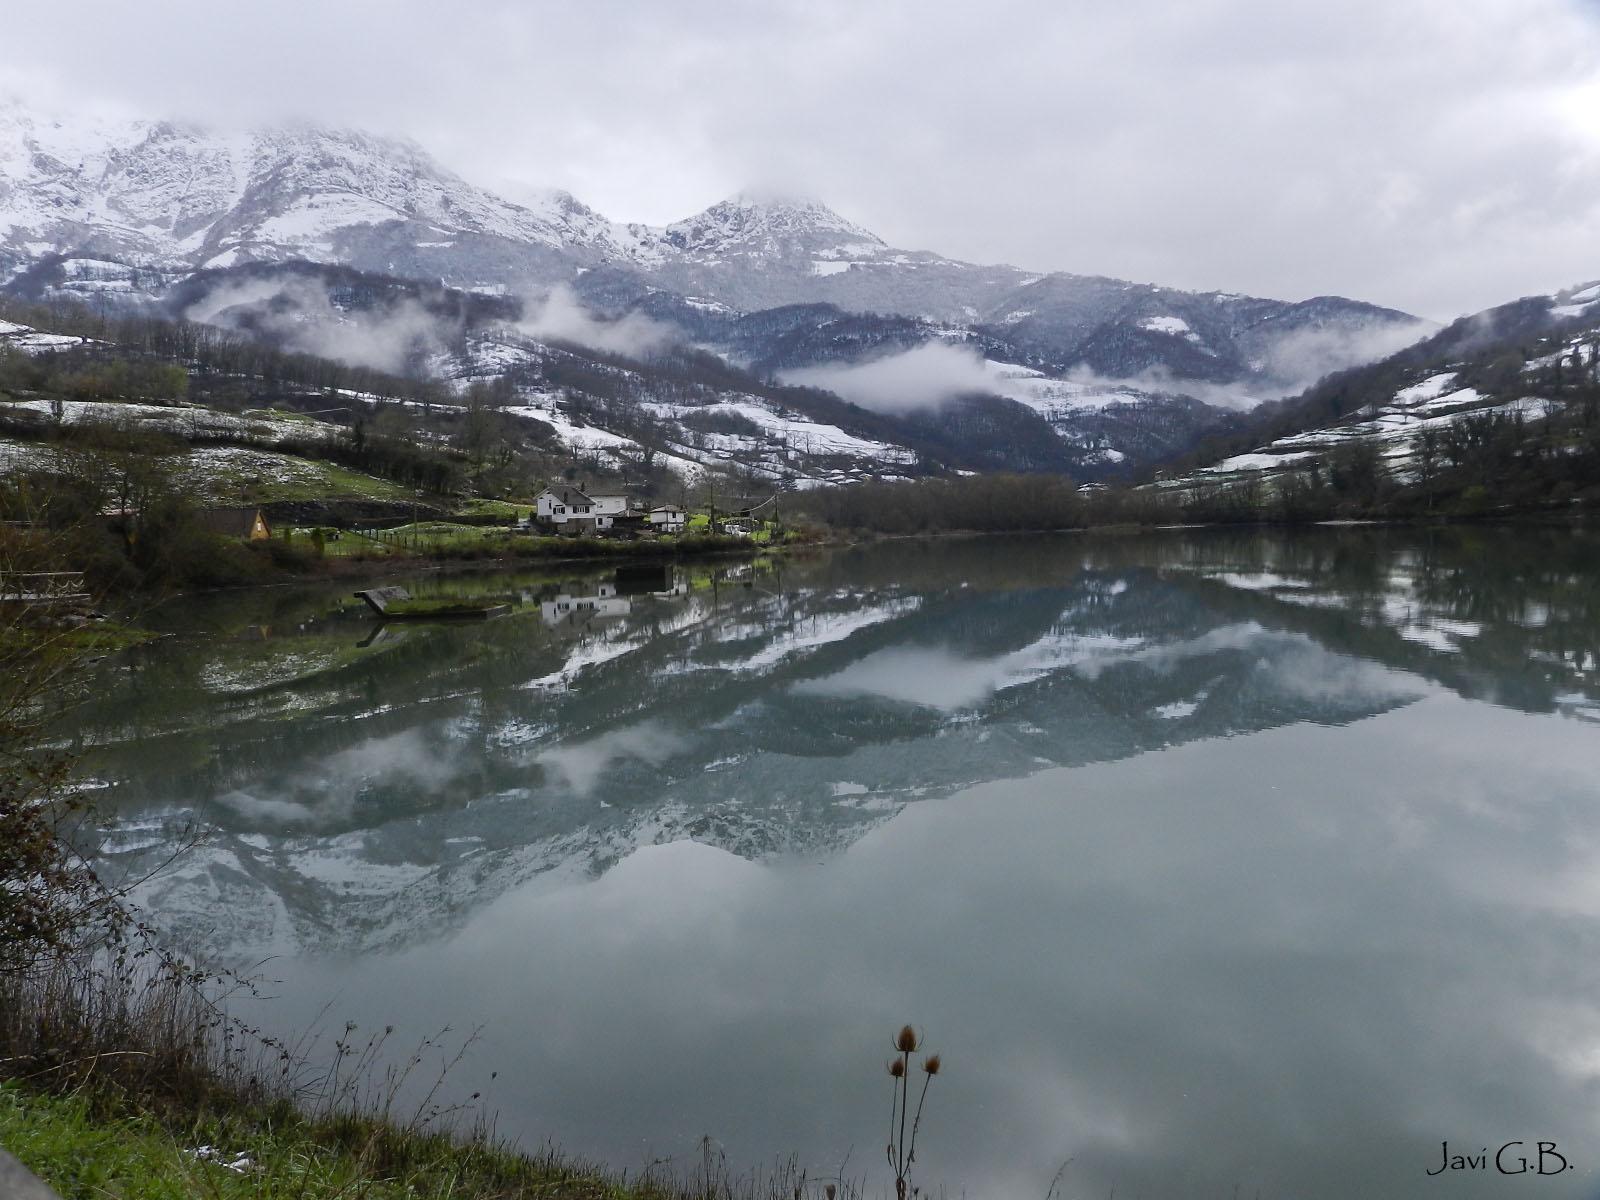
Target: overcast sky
(1436, 155)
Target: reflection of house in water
(613, 599)
(567, 609)
(584, 601)
(650, 579)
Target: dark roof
(237, 522)
(566, 494)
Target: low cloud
(934, 372)
(299, 315)
(562, 316)
(1162, 382)
(1288, 363)
(923, 377)
(1296, 360)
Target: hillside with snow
(1524, 366)
(138, 212)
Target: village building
(667, 518)
(607, 509)
(570, 509)
(565, 508)
(560, 505)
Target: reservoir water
(1205, 859)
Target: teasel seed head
(897, 1067)
(931, 1064)
(906, 1041)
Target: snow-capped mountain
(772, 227)
(168, 198)
(130, 208)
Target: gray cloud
(562, 316)
(1290, 363)
(922, 377)
(934, 372)
(1437, 155)
(1299, 358)
(299, 312)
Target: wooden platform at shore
(396, 604)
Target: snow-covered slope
(1518, 361)
(129, 208)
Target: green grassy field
(228, 475)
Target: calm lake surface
(1205, 859)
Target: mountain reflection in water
(1189, 913)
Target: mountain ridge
(171, 214)
(174, 197)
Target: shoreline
(378, 568)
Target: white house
(668, 518)
(607, 509)
(561, 505)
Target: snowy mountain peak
(178, 196)
(755, 223)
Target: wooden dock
(378, 599)
(396, 604)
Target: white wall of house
(667, 519)
(562, 505)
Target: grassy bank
(111, 1088)
(444, 541)
(89, 1146)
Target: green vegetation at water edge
(91, 1146)
(450, 540)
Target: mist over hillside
(250, 231)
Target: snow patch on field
(543, 406)
(797, 432)
(1430, 388)
(1174, 326)
(182, 420)
(1258, 460)
(32, 341)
